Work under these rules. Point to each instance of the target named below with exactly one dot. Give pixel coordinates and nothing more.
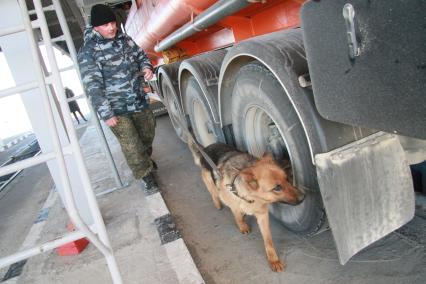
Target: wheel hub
(263, 135)
(203, 125)
(275, 143)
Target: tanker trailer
(333, 89)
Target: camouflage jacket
(111, 71)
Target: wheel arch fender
(282, 53)
(169, 73)
(205, 69)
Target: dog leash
(207, 158)
(191, 136)
(231, 187)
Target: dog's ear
(248, 176)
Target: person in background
(74, 108)
(112, 67)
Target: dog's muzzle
(298, 199)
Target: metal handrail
(18, 89)
(11, 30)
(71, 67)
(69, 200)
(26, 163)
(70, 237)
(101, 242)
(46, 9)
(9, 180)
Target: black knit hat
(100, 15)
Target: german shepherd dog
(247, 185)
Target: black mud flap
(367, 62)
(367, 191)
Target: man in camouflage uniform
(111, 66)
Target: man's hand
(147, 74)
(112, 121)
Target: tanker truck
(333, 88)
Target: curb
(176, 249)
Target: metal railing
(98, 236)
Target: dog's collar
(232, 188)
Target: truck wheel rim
(259, 126)
(174, 110)
(202, 124)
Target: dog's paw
(245, 229)
(218, 206)
(277, 265)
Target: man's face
(108, 30)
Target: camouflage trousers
(135, 133)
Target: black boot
(149, 184)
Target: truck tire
(202, 122)
(264, 120)
(174, 109)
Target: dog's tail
(193, 146)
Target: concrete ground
(224, 255)
(133, 220)
(221, 254)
